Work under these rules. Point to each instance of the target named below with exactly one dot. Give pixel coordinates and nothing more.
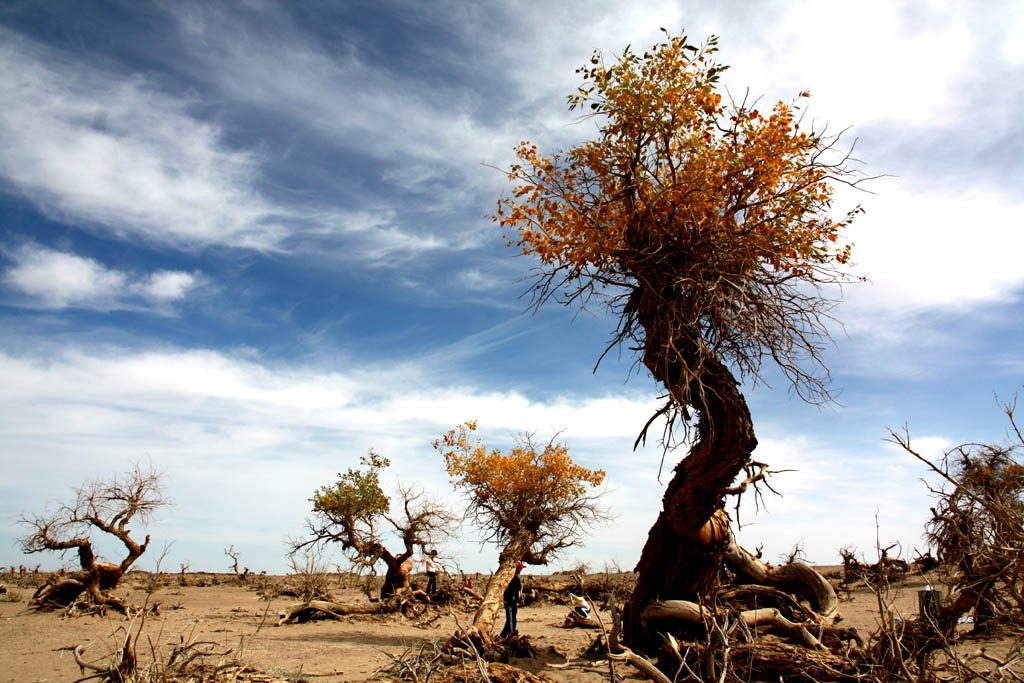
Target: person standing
(432, 567)
(513, 597)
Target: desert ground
(238, 618)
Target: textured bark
(487, 613)
(398, 576)
(675, 564)
(95, 578)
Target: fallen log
(472, 593)
(333, 610)
(803, 579)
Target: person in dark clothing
(513, 597)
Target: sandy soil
(237, 618)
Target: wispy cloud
(117, 154)
(258, 432)
(113, 151)
(52, 279)
(354, 101)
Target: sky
(244, 243)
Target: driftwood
(799, 578)
(412, 603)
(600, 587)
(332, 610)
(686, 612)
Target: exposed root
(805, 581)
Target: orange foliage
(524, 489)
(675, 163)
(521, 474)
(700, 221)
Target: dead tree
(886, 569)
(182, 580)
(102, 506)
(241, 574)
(977, 527)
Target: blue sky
(247, 242)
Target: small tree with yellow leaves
(532, 501)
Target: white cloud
(55, 279)
(906, 64)
(166, 285)
(113, 151)
(921, 249)
(930, 257)
(233, 433)
(1010, 47)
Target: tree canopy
(532, 501)
(356, 498)
(701, 220)
(354, 511)
(540, 491)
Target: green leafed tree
(355, 513)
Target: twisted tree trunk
(95, 578)
(487, 612)
(676, 563)
(398, 574)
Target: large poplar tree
(707, 226)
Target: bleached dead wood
(816, 587)
(334, 610)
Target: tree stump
(929, 604)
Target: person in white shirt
(432, 567)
